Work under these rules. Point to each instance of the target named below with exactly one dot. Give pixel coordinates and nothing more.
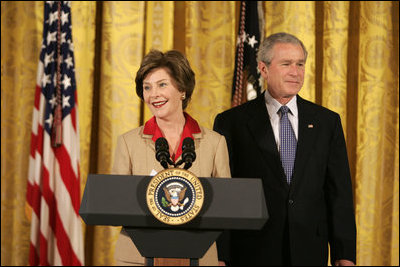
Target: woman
(165, 82)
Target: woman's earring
(183, 97)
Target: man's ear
(263, 69)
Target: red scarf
(191, 127)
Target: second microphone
(163, 155)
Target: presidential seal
(175, 196)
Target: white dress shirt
(273, 107)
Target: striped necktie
(288, 144)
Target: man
(299, 152)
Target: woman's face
(161, 94)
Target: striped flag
(247, 81)
(53, 191)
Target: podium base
(171, 262)
(172, 243)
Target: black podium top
(120, 200)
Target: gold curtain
(210, 46)
(352, 68)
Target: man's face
(285, 74)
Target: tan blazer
(135, 155)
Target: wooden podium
(120, 200)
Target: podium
(120, 200)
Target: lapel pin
(310, 126)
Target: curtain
(352, 68)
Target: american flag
(53, 191)
(247, 81)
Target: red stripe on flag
(73, 118)
(37, 142)
(68, 256)
(33, 256)
(49, 197)
(33, 196)
(68, 176)
(38, 92)
(43, 250)
(51, 203)
(76, 97)
(39, 146)
(33, 144)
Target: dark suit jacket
(315, 209)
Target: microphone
(188, 152)
(162, 152)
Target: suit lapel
(260, 128)
(306, 138)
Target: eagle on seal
(175, 194)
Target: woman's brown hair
(177, 66)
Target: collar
(273, 105)
(191, 127)
(292, 105)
